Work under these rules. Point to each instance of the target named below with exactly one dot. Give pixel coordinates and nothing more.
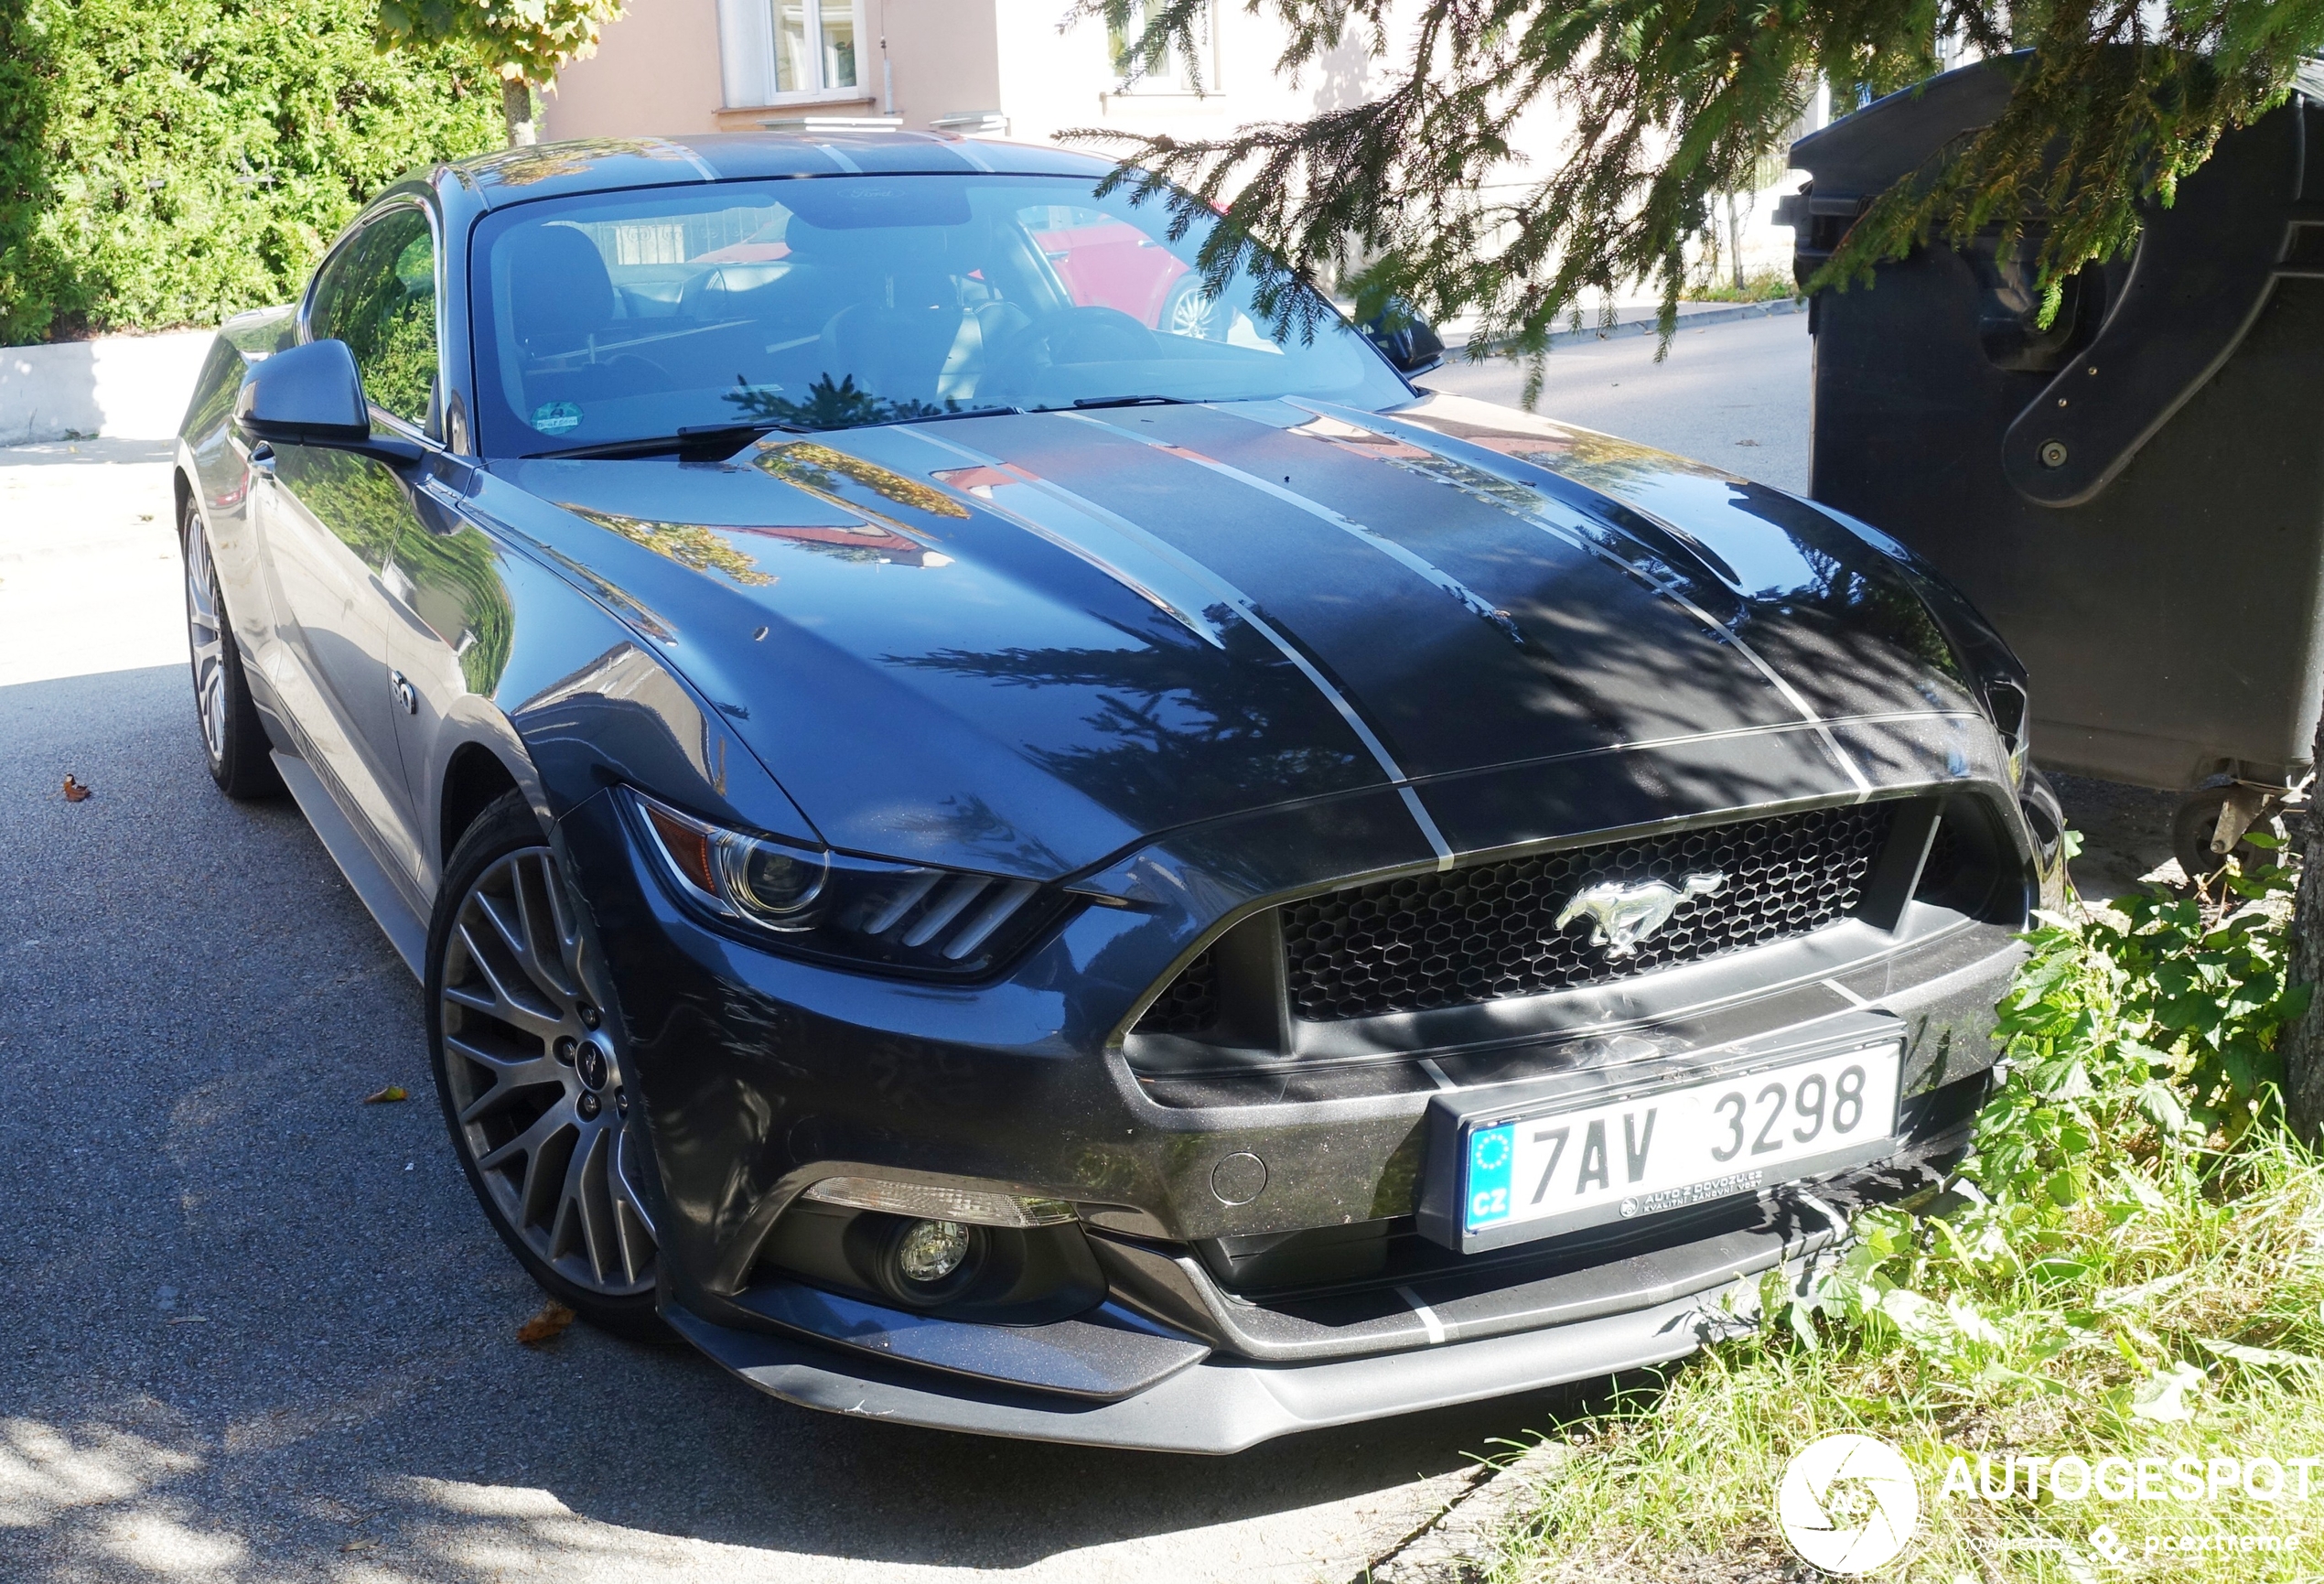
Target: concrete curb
(1462, 1542)
(1708, 313)
(1641, 322)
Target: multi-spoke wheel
(1191, 311)
(529, 1072)
(234, 742)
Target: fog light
(929, 1251)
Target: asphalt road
(255, 1329)
(1735, 395)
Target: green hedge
(169, 162)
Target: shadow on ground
(259, 1328)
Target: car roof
(605, 163)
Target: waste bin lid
(1864, 154)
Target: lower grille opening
(1190, 1006)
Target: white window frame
(747, 58)
(1171, 81)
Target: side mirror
(1404, 339)
(313, 395)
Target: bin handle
(2203, 272)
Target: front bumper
(760, 1075)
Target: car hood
(1026, 642)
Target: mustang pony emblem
(1621, 916)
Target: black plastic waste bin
(2133, 494)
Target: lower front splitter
(1223, 1404)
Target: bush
(169, 162)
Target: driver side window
(378, 295)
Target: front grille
(1490, 931)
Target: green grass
(2134, 1267)
(1765, 286)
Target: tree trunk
(2301, 1044)
(516, 106)
(1734, 241)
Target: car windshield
(833, 302)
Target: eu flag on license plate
(1492, 1156)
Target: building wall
(655, 71)
(944, 56)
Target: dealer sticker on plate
(1678, 1147)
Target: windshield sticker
(556, 417)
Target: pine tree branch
(1424, 194)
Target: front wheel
(233, 741)
(529, 1073)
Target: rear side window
(378, 295)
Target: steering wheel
(1070, 336)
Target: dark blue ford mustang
(1000, 857)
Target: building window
(771, 50)
(1175, 73)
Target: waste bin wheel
(2192, 827)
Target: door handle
(405, 695)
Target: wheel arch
(181, 495)
(474, 778)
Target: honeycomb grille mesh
(1190, 1006)
(1491, 930)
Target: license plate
(1533, 1176)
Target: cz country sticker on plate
(1561, 1170)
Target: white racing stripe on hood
(1429, 440)
(1242, 605)
(1402, 555)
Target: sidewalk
(88, 569)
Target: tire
(528, 1072)
(2197, 821)
(233, 741)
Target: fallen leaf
(2162, 1396)
(74, 791)
(391, 1093)
(359, 1545)
(553, 1318)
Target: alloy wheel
(205, 636)
(1190, 313)
(535, 1082)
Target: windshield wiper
(695, 442)
(963, 413)
(1086, 402)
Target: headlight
(841, 908)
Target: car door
(451, 639)
(333, 518)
